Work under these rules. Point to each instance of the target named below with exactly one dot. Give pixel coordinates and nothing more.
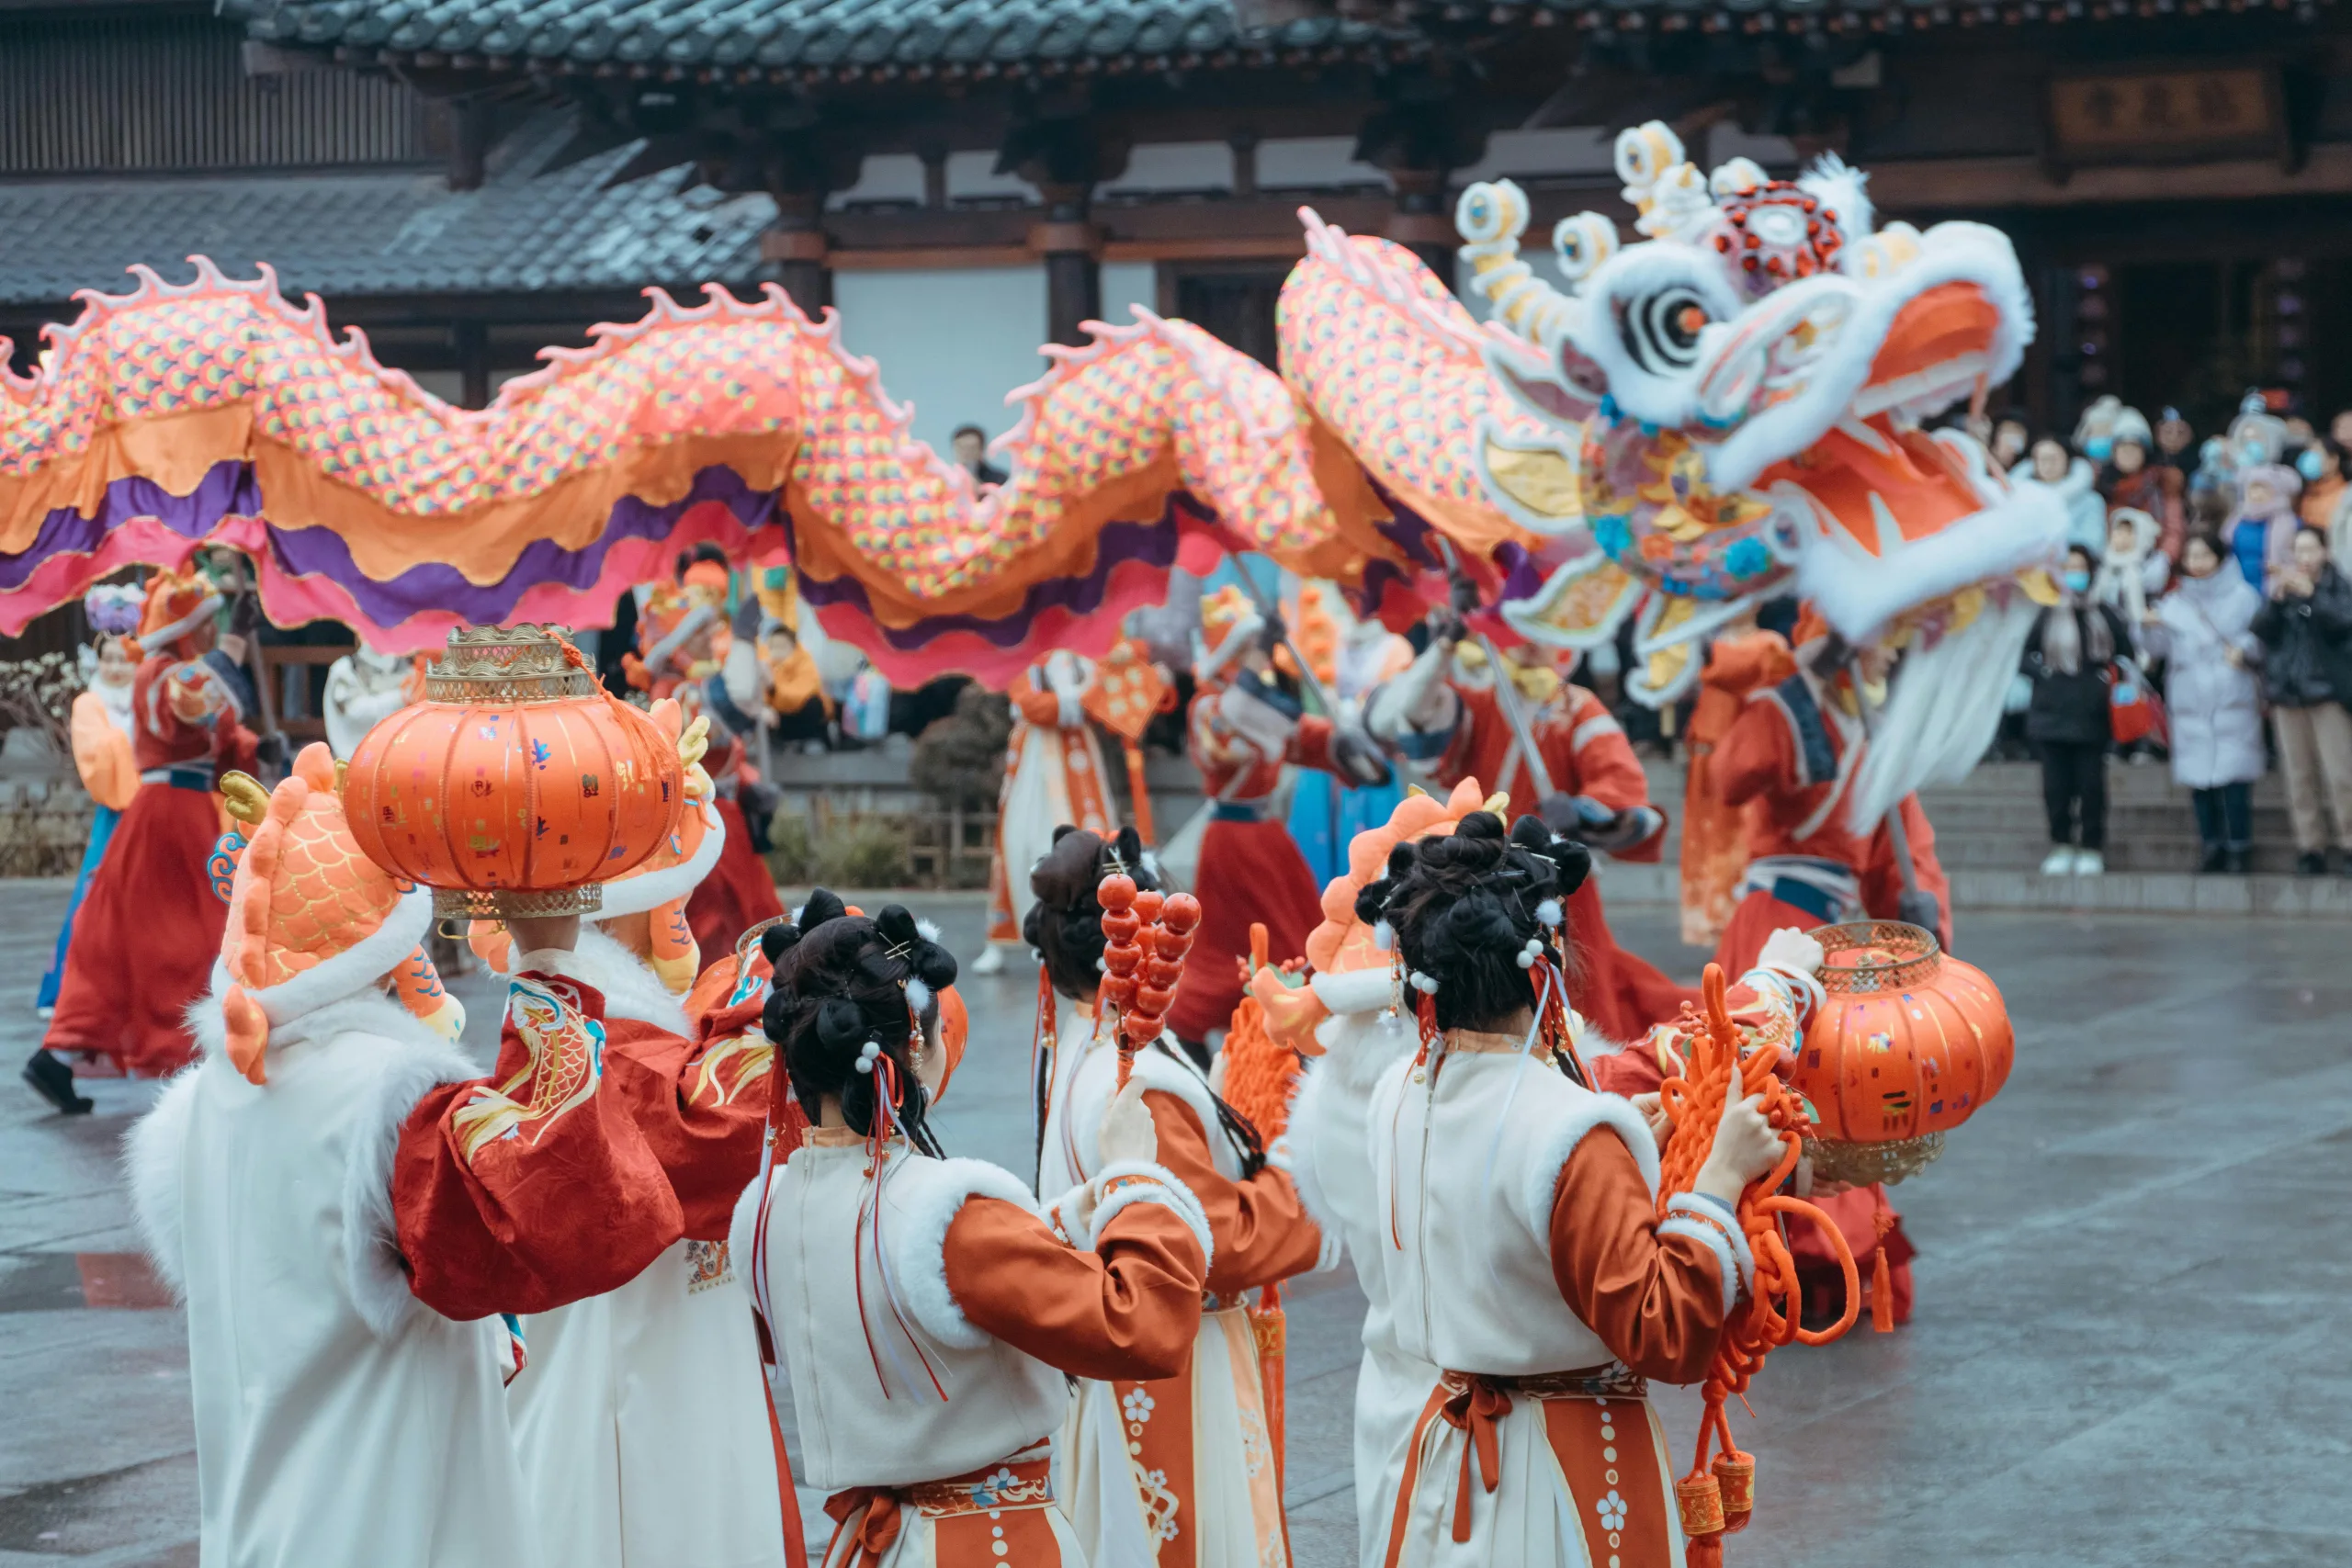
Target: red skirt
(146, 937)
(1616, 992)
(739, 893)
(1249, 872)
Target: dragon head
(1740, 395)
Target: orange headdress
(311, 920)
(176, 604)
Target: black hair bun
(840, 1025)
(823, 905)
(1576, 864)
(777, 940)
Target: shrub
(866, 851)
(959, 759)
(792, 858)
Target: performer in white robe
(1053, 777)
(931, 1316)
(346, 1204)
(1185, 1462)
(1523, 1254)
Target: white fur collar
(631, 989)
(648, 890)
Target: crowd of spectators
(2201, 583)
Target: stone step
(2299, 898)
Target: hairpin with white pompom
(1526, 956)
(867, 1055)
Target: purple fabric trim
(1153, 544)
(1522, 578)
(433, 585)
(227, 489)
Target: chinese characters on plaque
(2166, 116)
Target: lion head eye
(1661, 330)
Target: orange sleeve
(1128, 1310)
(102, 754)
(1259, 1228)
(1601, 764)
(1756, 756)
(1310, 744)
(1036, 706)
(567, 1201)
(1655, 1299)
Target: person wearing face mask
(2261, 529)
(2320, 463)
(2305, 626)
(2070, 656)
(2205, 629)
(2131, 481)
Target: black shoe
(54, 1081)
(2215, 858)
(2312, 863)
(2238, 863)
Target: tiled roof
(394, 233)
(824, 34)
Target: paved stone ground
(2128, 1347)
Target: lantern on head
(1907, 1044)
(518, 785)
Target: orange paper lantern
(1909, 1043)
(517, 786)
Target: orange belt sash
(1612, 1473)
(1012, 1492)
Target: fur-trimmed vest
(316, 1375)
(1466, 1152)
(821, 1264)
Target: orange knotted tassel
(1881, 1292)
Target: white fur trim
(631, 990)
(1294, 1152)
(373, 1268)
(927, 929)
(743, 1224)
(1351, 990)
(918, 994)
(1736, 1263)
(650, 890)
(924, 1196)
(1588, 1113)
(151, 1163)
(361, 965)
(1159, 1185)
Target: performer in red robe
(739, 892)
(146, 936)
(1787, 761)
(1240, 733)
(1451, 719)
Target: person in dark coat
(2305, 624)
(2070, 658)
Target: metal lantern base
(510, 904)
(1859, 1165)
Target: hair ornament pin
(867, 1055)
(1425, 984)
(1526, 956)
(1550, 913)
(1384, 936)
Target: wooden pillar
(1422, 221)
(798, 252)
(471, 341)
(1071, 248)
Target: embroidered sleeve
(702, 1106)
(1129, 1309)
(533, 1187)
(1259, 1230)
(1655, 1292)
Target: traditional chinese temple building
(966, 178)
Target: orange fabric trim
(1157, 1418)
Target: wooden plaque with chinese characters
(2167, 116)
